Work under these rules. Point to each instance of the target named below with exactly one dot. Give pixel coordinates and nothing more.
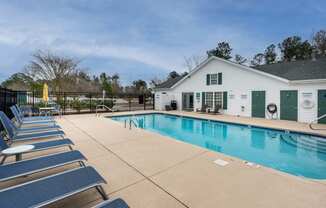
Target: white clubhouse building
(297, 88)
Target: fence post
(33, 100)
(64, 103)
(5, 101)
(129, 103)
(90, 102)
(144, 100)
(16, 100)
(153, 100)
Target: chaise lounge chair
(113, 203)
(45, 191)
(15, 136)
(31, 118)
(27, 167)
(31, 128)
(39, 146)
(36, 121)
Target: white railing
(102, 106)
(315, 120)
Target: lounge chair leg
(102, 192)
(3, 159)
(82, 164)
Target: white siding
(238, 81)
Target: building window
(218, 96)
(213, 79)
(198, 97)
(209, 99)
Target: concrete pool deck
(149, 170)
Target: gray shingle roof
(297, 70)
(293, 71)
(169, 83)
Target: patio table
(17, 151)
(46, 110)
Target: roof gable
(296, 71)
(169, 83)
(239, 66)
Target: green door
(322, 105)
(258, 104)
(289, 105)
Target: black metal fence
(7, 99)
(76, 102)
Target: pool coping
(286, 130)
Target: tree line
(290, 49)
(64, 74)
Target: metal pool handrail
(103, 106)
(131, 122)
(312, 122)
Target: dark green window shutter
(219, 78)
(208, 79)
(203, 99)
(225, 100)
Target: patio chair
(45, 191)
(216, 109)
(30, 120)
(21, 114)
(32, 128)
(203, 109)
(57, 110)
(113, 203)
(14, 136)
(27, 167)
(39, 146)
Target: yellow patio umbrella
(45, 93)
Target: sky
(146, 39)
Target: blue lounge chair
(27, 167)
(39, 146)
(14, 136)
(32, 118)
(113, 203)
(45, 191)
(31, 128)
(30, 122)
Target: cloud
(146, 36)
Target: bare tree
(58, 71)
(193, 61)
(154, 82)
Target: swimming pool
(294, 153)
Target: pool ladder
(313, 121)
(97, 113)
(131, 123)
(311, 143)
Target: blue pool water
(294, 153)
